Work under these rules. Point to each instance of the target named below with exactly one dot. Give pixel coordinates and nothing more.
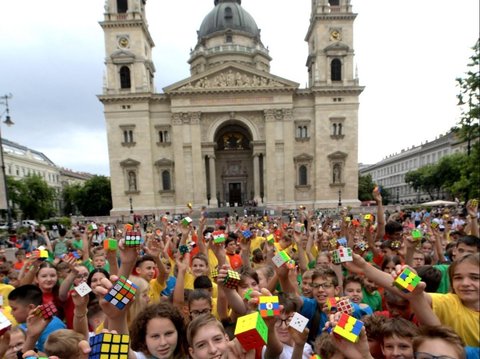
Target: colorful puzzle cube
(214, 274)
(417, 234)
(342, 242)
(361, 245)
(341, 255)
(74, 254)
(92, 227)
(232, 279)
(348, 327)
(298, 322)
(280, 258)
(218, 237)
(251, 331)
(5, 324)
(122, 292)
(345, 306)
(291, 264)
(109, 346)
(41, 254)
(46, 310)
(110, 244)
(270, 239)
(406, 281)
(299, 227)
(331, 304)
(133, 239)
(315, 356)
(268, 306)
(247, 234)
(248, 294)
(333, 243)
(184, 249)
(186, 221)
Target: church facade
(232, 133)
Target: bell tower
(330, 44)
(128, 48)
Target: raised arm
(377, 197)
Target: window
(228, 13)
(334, 2)
(125, 82)
(336, 70)
(122, 6)
(166, 183)
(163, 136)
(337, 130)
(128, 136)
(302, 132)
(228, 39)
(302, 175)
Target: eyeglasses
(195, 313)
(422, 355)
(279, 321)
(84, 275)
(321, 285)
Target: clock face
(123, 42)
(335, 35)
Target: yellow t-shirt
(5, 290)
(189, 278)
(154, 290)
(464, 321)
(255, 243)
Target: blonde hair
(63, 343)
(137, 306)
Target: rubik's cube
(41, 254)
(110, 244)
(247, 234)
(348, 327)
(133, 239)
(109, 346)
(218, 236)
(186, 221)
(291, 264)
(345, 306)
(341, 255)
(251, 331)
(368, 217)
(395, 244)
(342, 242)
(416, 234)
(128, 227)
(5, 324)
(122, 292)
(331, 304)
(299, 227)
(184, 249)
(232, 279)
(333, 243)
(214, 274)
(280, 258)
(406, 281)
(270, 239)
(361, 245)
(268, 306)
(315, 356)
(355, 222)
(248, 294)
(46, 310)
(74, 254)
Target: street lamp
(339, 198)
(131, 205)
(8, 121)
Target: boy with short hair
(22, 301)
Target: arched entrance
(234, 165)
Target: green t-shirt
(444, 286)
(374, 300)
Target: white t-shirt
(287, 352)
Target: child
(397, 340)
(22, 301)
(17, 339)
(67, 344)
(207, 338)
(158, 331)
(352, 288)
(438, 341)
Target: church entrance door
(235, 193)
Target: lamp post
(131, 205)
(339, 198)
(8, 121)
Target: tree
(33, 196)
(424, 179)
(95, 197)
(365, 189)
(469, 101)
(71, 195)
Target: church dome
(228, 14)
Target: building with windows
(21, 161)
(390, 172)
(231, 133)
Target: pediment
(231, 76)
(164, 162)
(303, 158)
(338, 155)
(122, 57)
(129, 163)
(338, 46)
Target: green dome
(228, 14)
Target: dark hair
(144, 258)
(27, 294)
(202, 282)
(393, 226)
(138, 328)
(291, 303)
(198, 323)
(247, 272)
(97, 270)
(229, 240)
(431, 276)
(197, 294)
(62, 231)
(441, 332)
(387, 259)
(398, 327)
(325, 273)
(471, 241)
(352, 278)
(373, 326)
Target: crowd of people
(186, 306)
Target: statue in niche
(132, 181)
(233, 141)
(337, 173)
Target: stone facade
(232, 133)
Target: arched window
(299, 132)
(339, 129)
(125, 77)
(334, 129)
(166, 184)
(228, 13)
(122, 6)
(334, 2)
(305, 133)
(302, 175)
(336, 70)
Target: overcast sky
(408, 55)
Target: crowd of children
(348, 286)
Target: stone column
(270, 178)
(256, 177)
(289, 168)
(198, 167)
(177, 143)
(213, 181)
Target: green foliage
(424, 179)
(94, 197)
(469, 101)
(33, 196)
(71, 196)
(365, 189)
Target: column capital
(257, 154)
(211, 157)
